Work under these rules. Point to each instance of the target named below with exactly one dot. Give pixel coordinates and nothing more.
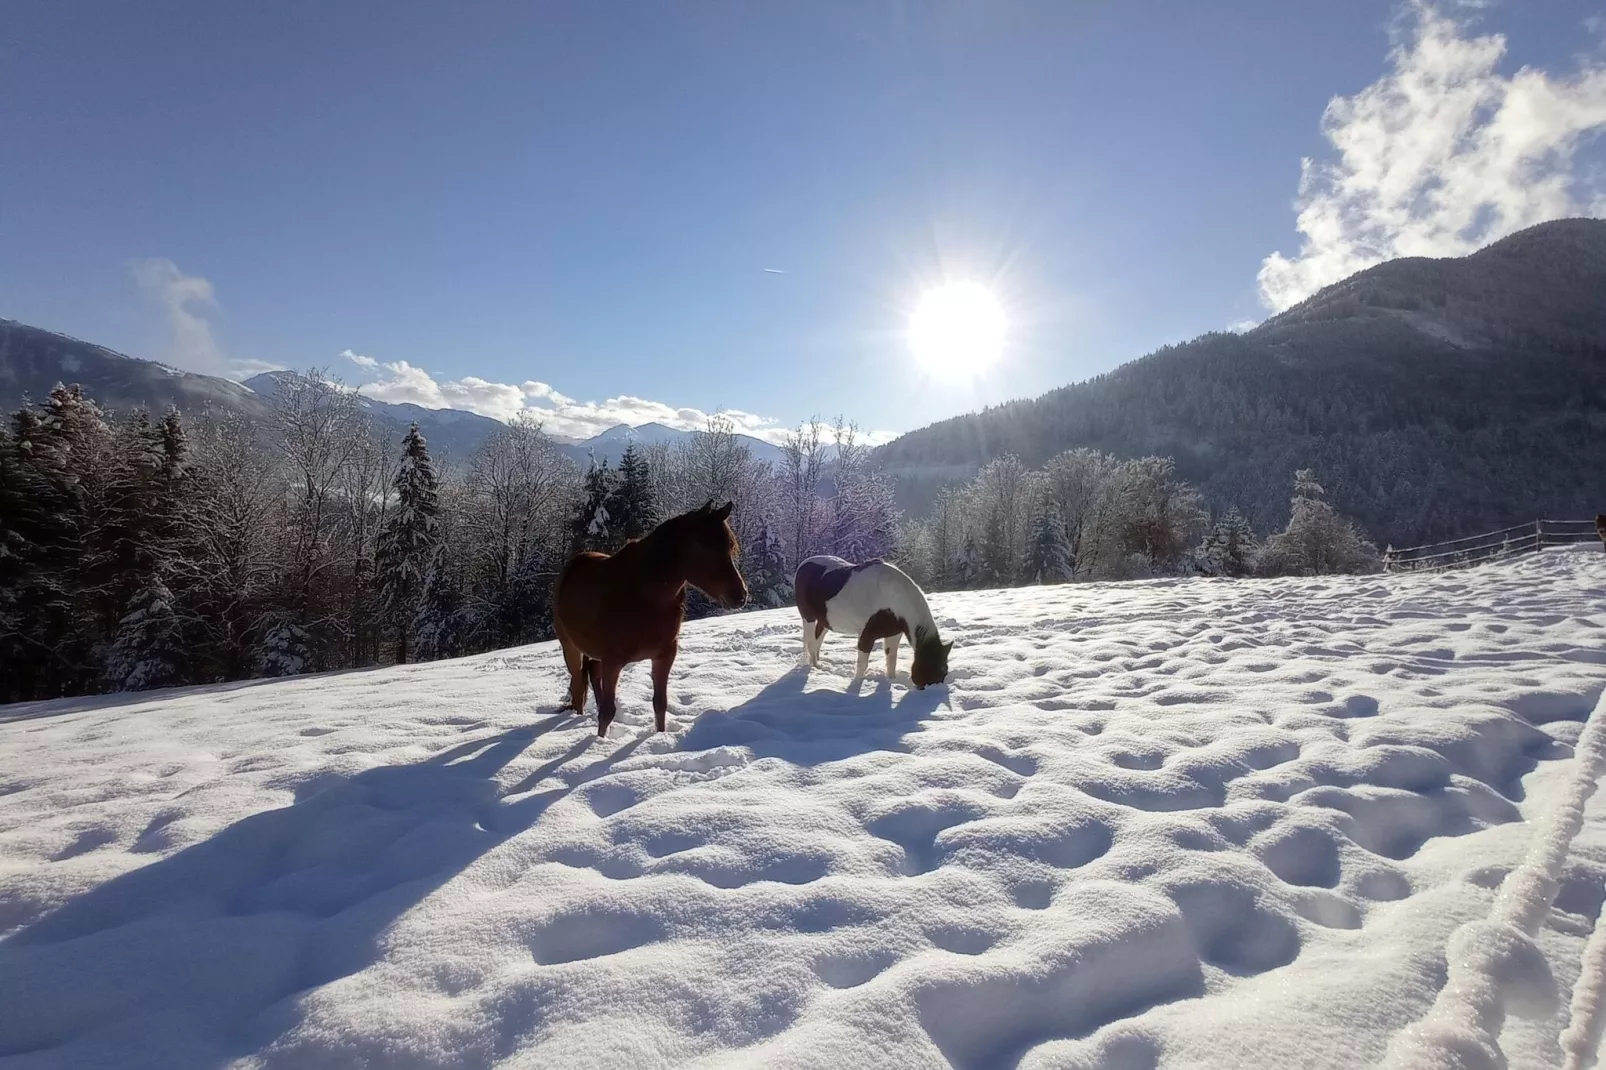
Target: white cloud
(244, 369)
(1439, 157)
(186, 300)
(1240, 326)
(401, 382)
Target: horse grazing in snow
(612, 610)
(875, 600)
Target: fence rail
(1490, 546)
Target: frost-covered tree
(1160, 515)
(966, 569)
(1317, 540)
(234, 499)
(1230, 548)
(149, 648)
(410, 539)
(1051, 552)
(802, 467)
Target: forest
(140, 552)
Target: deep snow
(1178, 823)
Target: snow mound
(1165, 824)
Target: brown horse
(611, 611)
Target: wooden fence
(1490, 546)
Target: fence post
(1388, 558)
(1539, 535)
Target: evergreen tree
(767, 580)
(149, 649)
(410, 537)
(631, 510)
(438, 624)
(285, 649)
(1317, 540)
(1051, 551)
(593, 527)
(1230, 548)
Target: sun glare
(957, 330)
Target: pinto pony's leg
(605, 684)
(865, 643)
(891, 645)
(813, 636)
(660, 686)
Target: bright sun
(957, 330)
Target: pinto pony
(612, 610)
(875, 600)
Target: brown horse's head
(707, 553)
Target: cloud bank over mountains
(401, 382)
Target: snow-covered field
(1178, 824)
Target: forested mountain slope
(1433, 397)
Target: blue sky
(584, 197)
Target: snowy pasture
(1185, 823)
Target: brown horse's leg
(660, 685)
(576, 664)
(605, 685)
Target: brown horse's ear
(706, 507)
(723, 511)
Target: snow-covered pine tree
(1230, 547)
(65, 451)
(438, 624)
(631, 512)
(768, 584)
(593, 529)
(149, 648)
(1317, 540)
(1051, 551)
(285, 649)
(410, 538)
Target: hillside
(1434, 398)
(33, 361)
(1172, 824)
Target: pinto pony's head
(931, 659)
(708, 552)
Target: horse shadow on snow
(196, 959)
(803, 727)
(192, 960)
